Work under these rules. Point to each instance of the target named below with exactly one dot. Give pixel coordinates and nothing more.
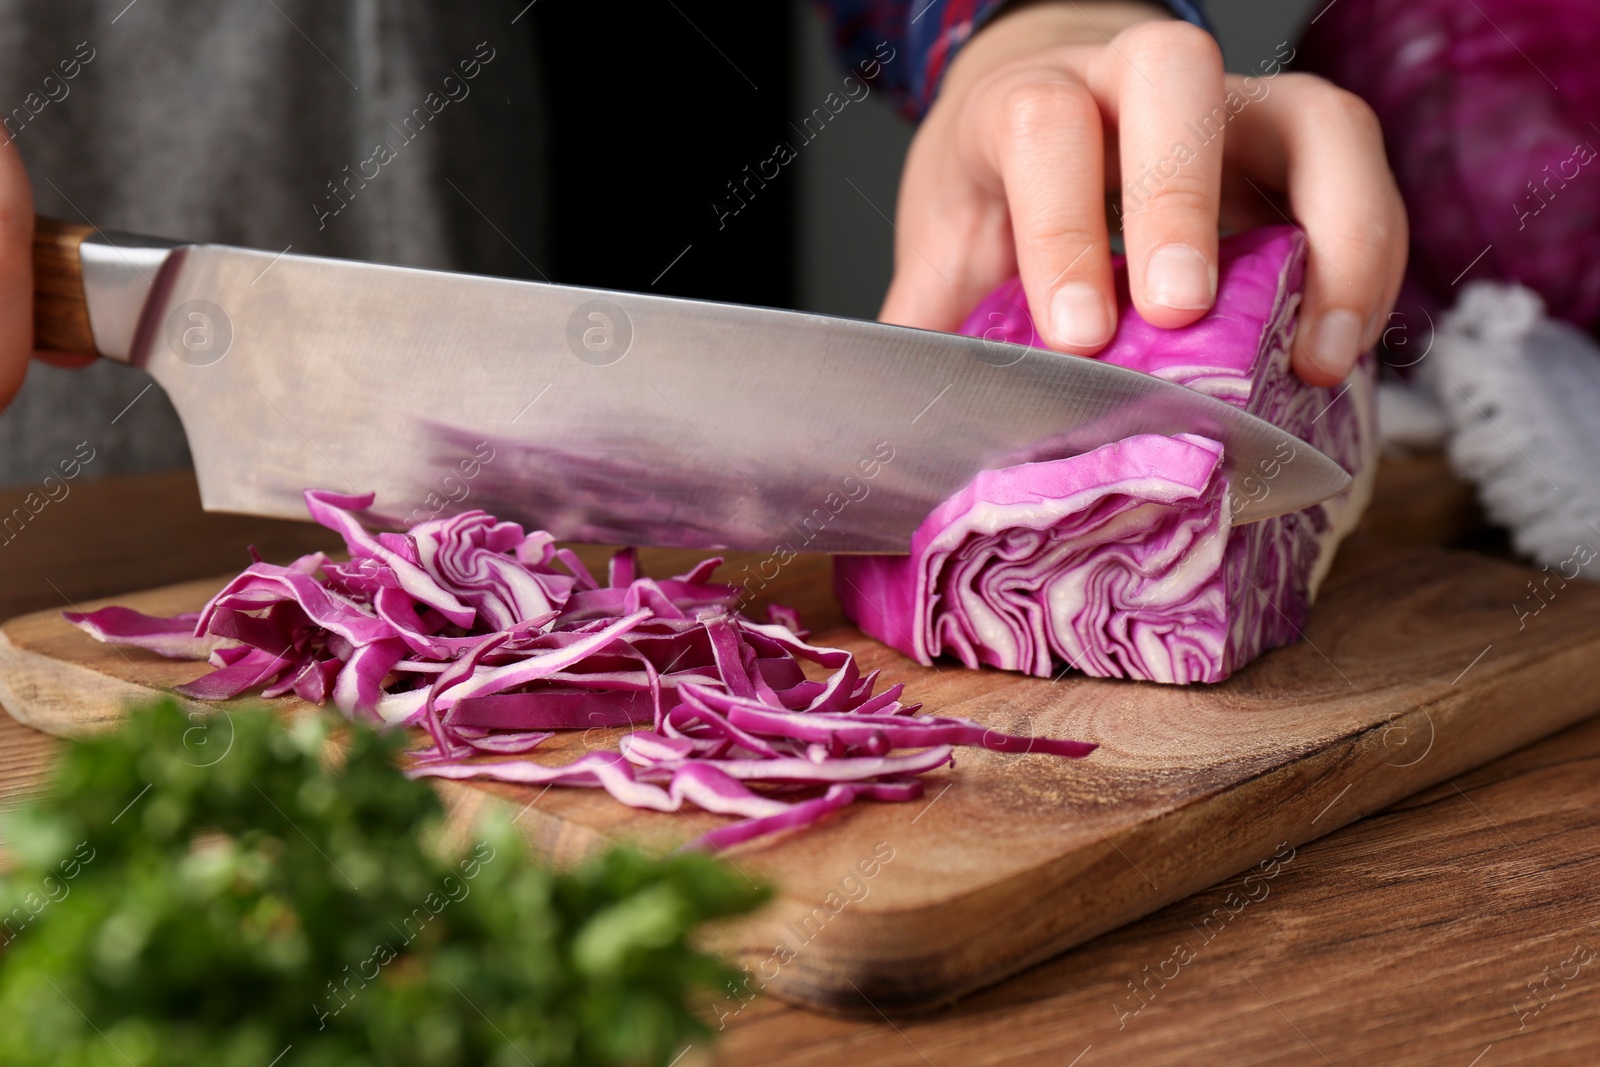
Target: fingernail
(1336, 342)
(1080, 315)
(1180, 277)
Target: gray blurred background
(843, 248)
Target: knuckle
(1063, 234)
(1364, 237)
(1357, 114)
(1043, 104)
(1299, 84)
(1175, 200)
(1358, 261)
(1374, 243)
(1163, 41)
(1297, 79)
(1327, 103)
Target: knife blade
(602, 416)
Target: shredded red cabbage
(491, 639)
(1122, 562)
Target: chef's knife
(600, 416)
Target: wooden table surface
(1459, 927)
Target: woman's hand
(1055, 106)
(16, 271)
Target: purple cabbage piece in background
(1487, 110)
(1121, 562)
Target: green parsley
(237, 892)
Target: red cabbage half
(1121, 562)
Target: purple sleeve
(904, 46)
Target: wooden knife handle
(60, 314)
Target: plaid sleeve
(904, 46)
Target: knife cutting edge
(600, 416)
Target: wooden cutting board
(1413, 669)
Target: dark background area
(653, 112)
(658, 105)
